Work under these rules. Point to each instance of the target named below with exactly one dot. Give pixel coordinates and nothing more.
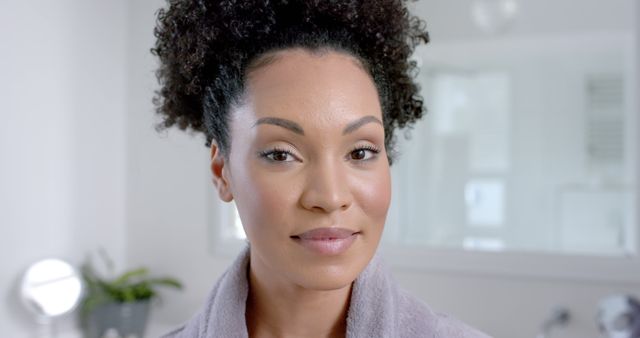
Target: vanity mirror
(50, 289)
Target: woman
(299, 101)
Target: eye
(278, 155)
(364, 153)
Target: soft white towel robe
(378, 308)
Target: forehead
(310, 87)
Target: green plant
(131, 286)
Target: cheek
(263, 200)
(374, 195)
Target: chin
(332, 276)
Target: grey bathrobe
(378, 308)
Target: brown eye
(280, 156)
(364, 153)
(358, 154)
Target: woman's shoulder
(419, 317)
(380, 307)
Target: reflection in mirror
(530, 138)
(50, 288)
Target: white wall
(62, 146)
(167, 186)
(451, 20)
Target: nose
(327, 189)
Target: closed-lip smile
(327, 241)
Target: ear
(219, 171)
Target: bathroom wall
(62, 146)
(167, 185)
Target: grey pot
(128, 319)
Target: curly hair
(207, 47)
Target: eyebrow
(359, 123)
(288, 124)
(296, 128)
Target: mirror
(51, 288)
(530, 141)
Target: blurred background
(515, 197)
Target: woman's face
(307, 152)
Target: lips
(327, 241)
(326, 233)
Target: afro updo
(206, 48)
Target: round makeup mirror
(51, 288)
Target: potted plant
(120, 303)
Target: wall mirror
(530, 142)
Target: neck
(279, 309)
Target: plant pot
(127, 319)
